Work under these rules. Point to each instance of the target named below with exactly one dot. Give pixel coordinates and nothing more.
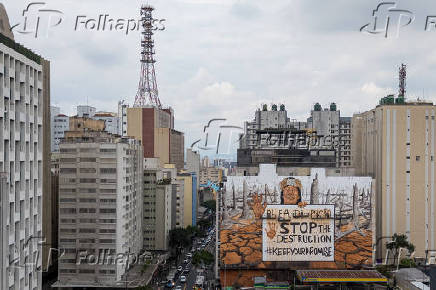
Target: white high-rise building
(100, 207)
(85, 111)
(59, 124)
(24, 106)
(122, 118)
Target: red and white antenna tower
(147, 91)
(402, 83)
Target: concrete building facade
(395, 144)
(160, 200)
(24, 121)
(100, 206)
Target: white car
(180, 269)
(183, 279)
(178, 288)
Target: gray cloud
(222, 59)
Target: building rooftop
(340, 276)
(104, 115)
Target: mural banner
(292, 233)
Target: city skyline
(200, 58)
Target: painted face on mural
(291, 191)
(291, 195)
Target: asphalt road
(191, 276)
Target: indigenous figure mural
(243, 229)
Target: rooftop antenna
(402, 83)
(148, 93)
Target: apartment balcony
(12, 239)
(11, 278)
(22, 76)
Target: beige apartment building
(212, 174)
(100, 207)
(161, 195)
(187, 205)
(395, 144)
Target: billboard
(291, 233)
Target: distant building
(80, 124)
(160, 198)
(344, 151)
(334, 130)
(189, 198)
(395, 144)
(100, 206)
(177, 149)
(85, 111)
(212, 174)
(276, 118)
(111, 121)
(155, 129)
(193, 162)
(205, 162)
(122, 118)
(59, 124)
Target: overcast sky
(224, 58)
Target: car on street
(183, 279)
(178, 287)
(169, 284)
(186, 270)
(180, 269)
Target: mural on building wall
(245, 228)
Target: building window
(108, 170)
(87, 159)
(87, 170)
